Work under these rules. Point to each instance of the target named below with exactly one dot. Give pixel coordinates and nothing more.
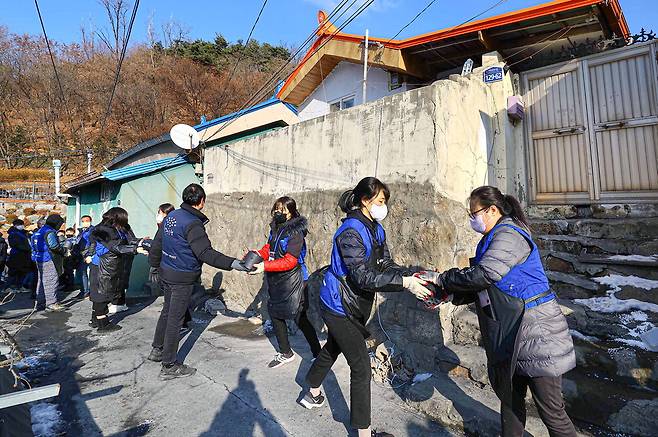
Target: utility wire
(256, 95)
(474, 17)
(50, 52)
(422, 11)
(299, 50)
(120, 63)
(242, 52)
(52, 61)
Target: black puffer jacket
(286, 287)
(110, 268)
(366, 276)
(19, 258)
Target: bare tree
(173, 31)
(117, 14)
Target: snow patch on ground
(635, 316)
(635, 343)
(610, 304)
(46, 419)
(618, 281)
(640, 258)
(580, 335)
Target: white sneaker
(113, 309)
(280, 360)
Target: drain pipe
(57, 164)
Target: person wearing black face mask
(286, 274)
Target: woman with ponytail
(524, 332)
(361, 265)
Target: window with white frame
(342, 103)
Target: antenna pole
(365, 68)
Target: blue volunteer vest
(102, 250)
(525, 280)
(176, 251)
(330, 291)
(84, 237)
(40, 252)
(280, 248)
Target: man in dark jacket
(48, 252)
(19, 262)
(184, 247)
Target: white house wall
(344, 80)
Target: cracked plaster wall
(453, 135)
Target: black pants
(345, 338)
(547, 394)
(281, 332)
(99, 309)
(167, 332)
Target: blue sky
(283, 21)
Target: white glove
(258, 268)
(430, 276)
(416, 286)
(142, 251)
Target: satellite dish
(184, 136)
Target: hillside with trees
(167, 80)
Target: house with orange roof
(330, 76)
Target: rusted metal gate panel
(593, 128)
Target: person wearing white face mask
(361, 265)
(525, 334)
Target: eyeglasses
(473, 214)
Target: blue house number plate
(493, 74)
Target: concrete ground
(110, 389)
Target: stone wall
(423, 229)
(29, 211)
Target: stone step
(639, 210)
(462, 405)
(597, 265)
(579, 245)
(625, 409)
(628, 228)
(577, 280)
(625, 260)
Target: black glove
(239, 266)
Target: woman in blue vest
(110, 244)
(361, 265)
(48, 254)
(524, 332)
(286, 275)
